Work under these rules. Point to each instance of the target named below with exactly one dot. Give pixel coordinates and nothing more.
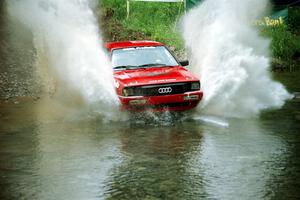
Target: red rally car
(148, 76)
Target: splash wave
(68, 44)
(232, 59)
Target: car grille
(164, 106)
(161, 89)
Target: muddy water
(48, 152)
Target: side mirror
(184, 63)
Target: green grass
(294, 20)
(147, 20)
(284, 43)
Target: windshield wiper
(152, 65)
(126, 67)
(139, 66)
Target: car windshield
(141, 57)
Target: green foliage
(285, 41)
(155, 21)
(284, 44)
(294, 19)
(118, 6)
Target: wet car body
(159, 85)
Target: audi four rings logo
(164, 90)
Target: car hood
(155, 75)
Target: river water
(46, 154)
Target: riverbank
(17, 59)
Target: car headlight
(195, 86)
(128, 92)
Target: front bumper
(174, 102)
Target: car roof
(127, 44)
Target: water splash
(212, 120)
(68, 43)
(231, 58)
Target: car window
(138, 56)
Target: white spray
(66, 33)
(231, 58)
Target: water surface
(50, 153)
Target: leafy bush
(294, 19)
(283, 42)
(156, 21)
